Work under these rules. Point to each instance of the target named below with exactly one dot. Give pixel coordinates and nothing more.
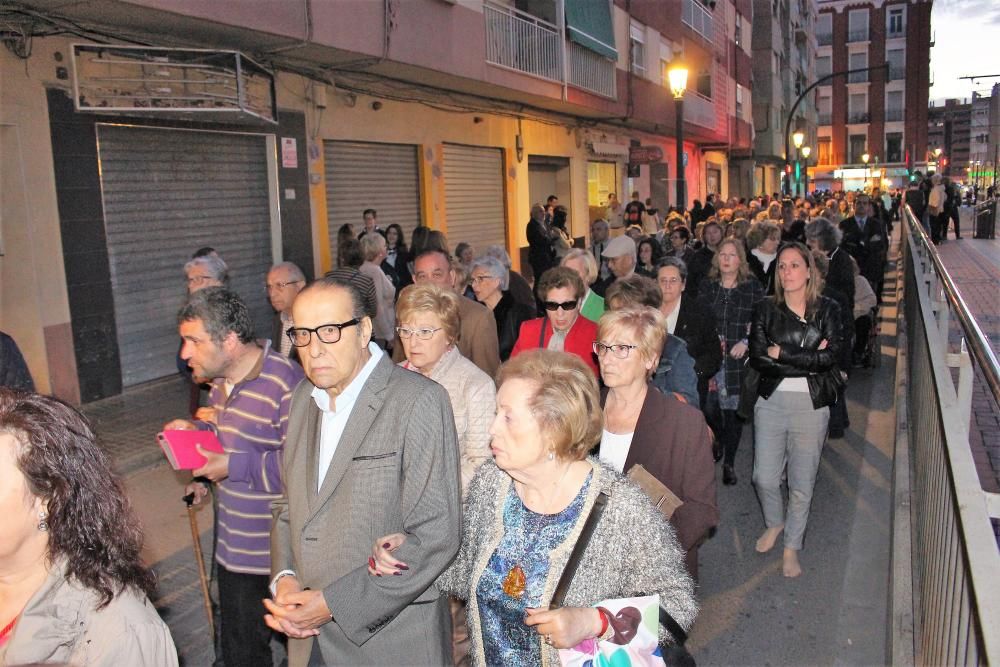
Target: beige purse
(662, 497)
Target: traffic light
(910, 177)
(798, 172)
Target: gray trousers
(788, 432)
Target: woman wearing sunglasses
(561, 328)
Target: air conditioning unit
(190, 84)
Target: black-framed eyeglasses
(556, 305)
(327, 333)
(422, 334)
(276, 286)
(620, 350)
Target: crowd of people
(412, 455)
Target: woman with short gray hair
(488, 277)
(205, 271)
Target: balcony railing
(824, 119)
(699, 110)
(858, 35)
(897, 72)
(523, 42)
(893, 114)
(699, 19)
(858, 117)
(824, 38)
(591, 71)
(857, 77)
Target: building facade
(949, 128)
(784, 51)
(881, 112)
(262, 132)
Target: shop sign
(645, 154)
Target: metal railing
(591, 71)
(897, 72)
(954, 609)
(824, 38)
(523, 42)
(894, 114)
(857, 77)
(699, 19)
(824, 119)
(858, 35)
(858, 117)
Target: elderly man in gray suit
(371, 450)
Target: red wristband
(604, 621)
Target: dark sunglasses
(555, 305)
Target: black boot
(728, 475)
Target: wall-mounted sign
(645, 154)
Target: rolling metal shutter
(473, 192)
(360, 175)
(167, 193)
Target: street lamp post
(797, 139)
(864, 158)
(806, 150)
(678, 84)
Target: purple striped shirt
(252, 424)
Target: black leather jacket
(799, 340)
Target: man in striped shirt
(249, 402)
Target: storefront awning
(589, 24)
(607, 149)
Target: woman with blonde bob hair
(643, 426)
(429, 325)
(795, 342)
(581, 261)
(525, 511)
(731, 292)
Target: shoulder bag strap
(541, 336)
(581, 544)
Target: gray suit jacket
(396, 469)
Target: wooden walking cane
(196, 538)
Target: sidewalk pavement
(974, 265)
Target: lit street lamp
(797, 138)
(806, 150)
(678, 76)
(864, 158)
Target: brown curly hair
(91, 522)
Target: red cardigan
(579, 339)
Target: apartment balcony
(896, 73)
(522, 42)
(824, 119)
(824, 38)
(858, 77)
(892, 115)
(858, 35)
(858, 117)
(699, 110)
(699, 19)
(591, 71)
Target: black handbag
(674, 655)
(748, 393)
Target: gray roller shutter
(360, 175)
(167, 193)
(473, 192)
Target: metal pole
(805, 176)
(817, 82)
(681, 184)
